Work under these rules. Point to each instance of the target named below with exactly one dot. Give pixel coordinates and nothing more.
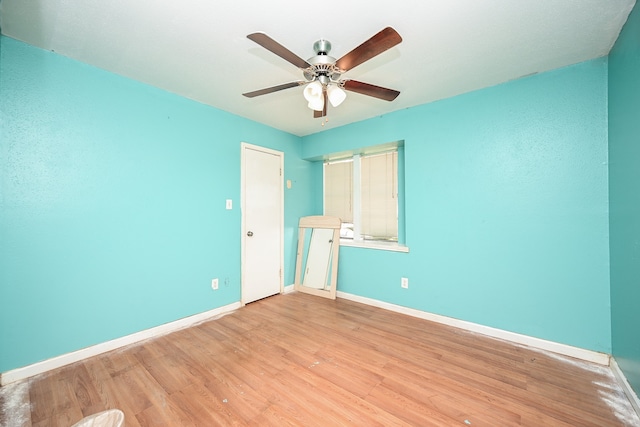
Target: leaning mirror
(317, 259)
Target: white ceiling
(198, 48)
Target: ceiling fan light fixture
(336, 95)
(323, 73)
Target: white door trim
(244, 146)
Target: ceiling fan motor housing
(322, 47)
(323, 66)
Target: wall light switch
(229, 204)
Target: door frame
(243, 208)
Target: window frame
(398, 246)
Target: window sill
(383, 246)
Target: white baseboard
(622, 379)
(566, 350)
(288, 289)
(76, 356)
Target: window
(363, 192)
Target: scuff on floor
(15, 409)
(620, 406)
(609, 390)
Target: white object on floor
(110, 418)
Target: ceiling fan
(323, 73)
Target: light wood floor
(296, 359)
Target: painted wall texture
(506, 207)
(112, 204)
(624, 196)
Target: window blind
(379, 196)
(375, 205)
(338, 190)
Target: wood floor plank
(491, 390)
(351, 376)
(110, 395)
(206, 408)
(300, 360)
(276, 416)
(171, 373)
(245, 402)
(447, 396)
(407, 409)
(85, 391)
(54, 398)
(366, 413)
(119, 360)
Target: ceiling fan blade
(270, 44)
(384, 40)
(371, 90)
(323, 113)
(273, 89)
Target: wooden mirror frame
(313, 222)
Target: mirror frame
(330, 222)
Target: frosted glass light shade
(316, 104)
(313, 91)
(336, 95)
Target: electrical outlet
(404, 282)
(214, 284)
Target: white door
(262, 222)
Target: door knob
(250, 233)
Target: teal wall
(506, 207)
(112, 204)
(112, 215)
(624, 195)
